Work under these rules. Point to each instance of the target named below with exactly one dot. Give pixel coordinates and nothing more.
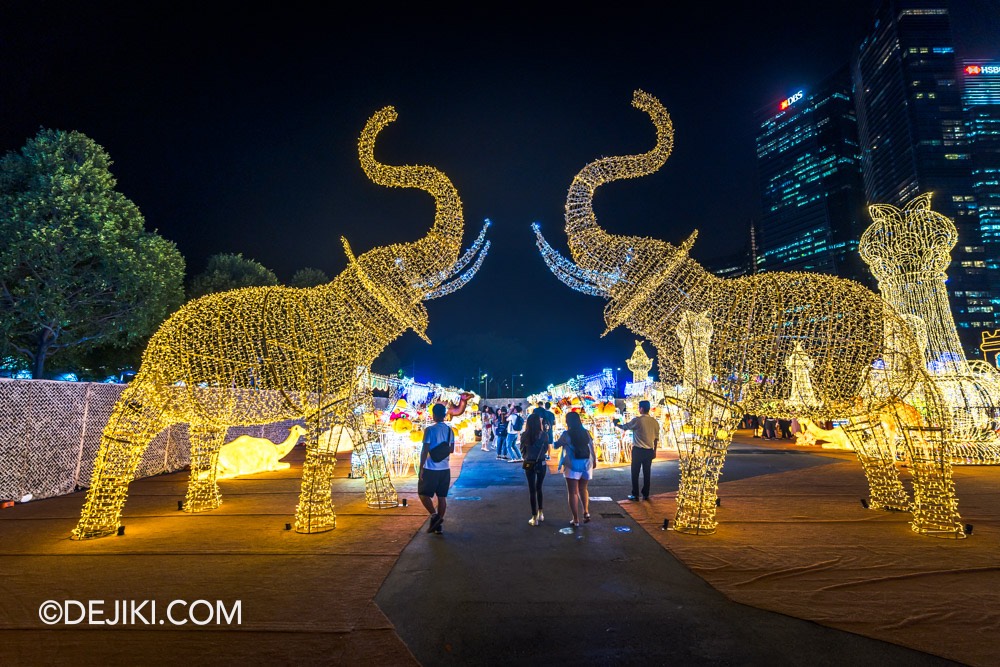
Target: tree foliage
(226, 271)
(309, 277)
(78, 270)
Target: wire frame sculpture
(908, 250)
(782, 344)
(263, 354)
(639, 363)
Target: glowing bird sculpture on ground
(260, 355)
(727, 344)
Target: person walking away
(515, 425)
(578, 461)
(500, 432)
(785, 428)
(435, 467)
(549, 420)
(645, 438)
(534, 447)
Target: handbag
(529, 464)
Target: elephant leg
(315, 512)
(702, 446)
(876, 451)
(935, 506)
(135, 421)
(203, 493)
(379, 490)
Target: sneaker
(533, 521)
(541, 515)
(437, 531)
(435, 525)
(516, 460)
(632, 497)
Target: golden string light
(639, 363)
(908, 250)
(778, 344)
(266, 354)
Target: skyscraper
(913, 139)
(809, 177)
(981, 102)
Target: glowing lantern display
(725, 343)
(260, 355)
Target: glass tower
(913, 140)
(981, 102)
(809, 178)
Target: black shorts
(434, 483)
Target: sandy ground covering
(801, 543)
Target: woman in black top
(534, 445)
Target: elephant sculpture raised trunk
(782, 344)
(261, 355)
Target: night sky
(235, 130)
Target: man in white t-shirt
(435, 475)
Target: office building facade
(981, 103)
(913, 137)
(812, 205)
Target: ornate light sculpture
(265, 354)
(639, 363)
(908, 250)
(741, 346)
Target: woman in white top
(577, 462)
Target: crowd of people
(528, 440)
(770, 428)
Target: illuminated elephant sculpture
(261, 355)
(753, 345)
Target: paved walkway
(495, 591)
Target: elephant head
(403, 275)
(624, 269)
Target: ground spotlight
(968, 529)
(864, 503)
(121, 530)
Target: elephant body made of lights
(260, 355)
(778, 344)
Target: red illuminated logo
(982, 69)
(790, 101)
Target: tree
(309, 277)
(226, 271)
(78, 270)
